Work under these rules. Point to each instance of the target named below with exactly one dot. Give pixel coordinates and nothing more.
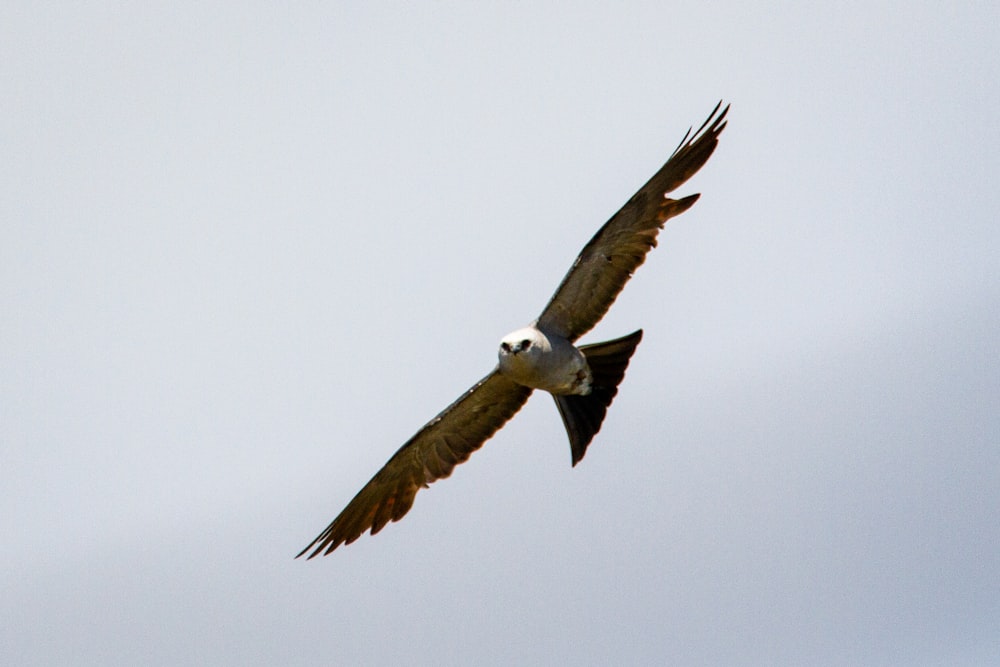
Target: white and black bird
(582, 380)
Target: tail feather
(582, 415)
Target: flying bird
(582, 380)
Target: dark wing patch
(430, 455)
(610, 258)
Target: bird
(583, 380)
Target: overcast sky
(248, 250)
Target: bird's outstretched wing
(430, 455)
(620, 246)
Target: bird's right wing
(430, 455)
(620, 246)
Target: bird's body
(583, 380)
(538, 360)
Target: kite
(583, 380)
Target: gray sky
(205, 210)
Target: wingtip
(310, 556)
(716, 121)
(323, 545)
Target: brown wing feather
(430, 455)
(620, 246)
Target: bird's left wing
(620, 246)
(430, 455)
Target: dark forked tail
(583, 415)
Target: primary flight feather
(582, 380)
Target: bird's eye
(525, 344)
(505, 346)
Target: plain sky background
(247, 250)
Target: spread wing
(620, 246)
(430, 455)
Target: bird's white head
(521, 350)
(528, 340)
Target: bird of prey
(582, 380)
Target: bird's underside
(582, 380)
